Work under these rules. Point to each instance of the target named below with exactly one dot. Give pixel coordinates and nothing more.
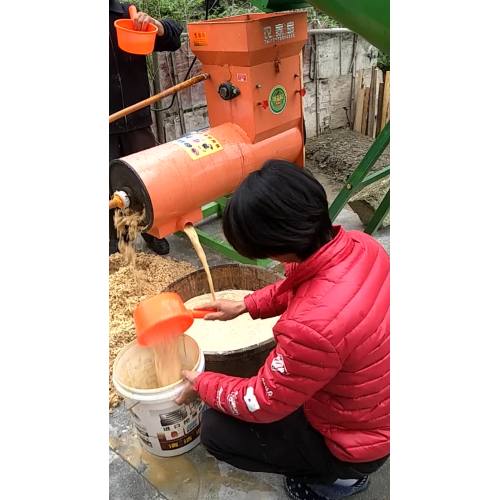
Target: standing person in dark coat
(128, 84)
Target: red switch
(264, 104)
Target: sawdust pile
(148, 275)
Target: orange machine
(254, 96)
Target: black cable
(175, 95)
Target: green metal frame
(360, 178)
(379, 214)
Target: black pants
(123, 145)
(290, 447)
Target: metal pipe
(146, 102)
(328, 31)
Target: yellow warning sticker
(198, 145)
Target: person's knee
(210, 429)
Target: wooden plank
(378, 79)
(385, 103)
(358, 84)
(359, 81)
(359, 110)
(364, 118)
(371, 105)
(380, 100)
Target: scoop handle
(201, 313)
(132, 11)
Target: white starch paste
(223, 336)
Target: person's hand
(141, 21)
(188, 394)
(225, 309)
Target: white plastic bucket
(165, 429)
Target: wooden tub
(242, 362)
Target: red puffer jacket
(331, 354)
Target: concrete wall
(328, 78)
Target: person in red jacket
(318, 409)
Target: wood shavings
(129, 285)
(128, 225)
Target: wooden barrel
(242, 362)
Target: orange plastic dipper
(163, 315)
(132, 40)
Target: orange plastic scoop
(163, 315)
(135, 41)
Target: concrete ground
(136, 475)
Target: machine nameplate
(279, 32)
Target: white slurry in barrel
(223, 336)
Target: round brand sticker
(277, 99)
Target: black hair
(276, 210)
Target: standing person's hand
(141, 21)
(225, 309)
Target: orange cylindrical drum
(172, 181)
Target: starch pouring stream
(195, 241)
(168, 356)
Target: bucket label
(277, 99)
(177, 442)
(200, 38)
(165, 428)
(198, 145)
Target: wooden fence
(372, 101)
